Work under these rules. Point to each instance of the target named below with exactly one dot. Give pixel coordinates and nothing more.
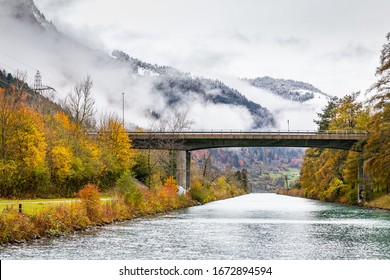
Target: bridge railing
(232, 131)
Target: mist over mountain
(151, 91)
(26, 11)
(31, 43)
(180, 89)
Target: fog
(63, 62)
(334, 45)
(290, 115)
(229, 42)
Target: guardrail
(252, 132)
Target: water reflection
(255, 226)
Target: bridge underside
(200, 144)
(186, 142)
(225, 143)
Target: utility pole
(123, 109)
(288, 125)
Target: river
(254, 226)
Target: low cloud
(289, 114)
(355, 51)
(64, 62)
(209, 116)
(54, 5)
(292, 42)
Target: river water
(254, 226)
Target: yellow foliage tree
(117, 145)
(62, 158)
(26, 142)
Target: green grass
(34, 206)
(292, 173)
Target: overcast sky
(333, 44)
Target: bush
(90, 200)
(16, 226)
(128, 190)
(201, 193)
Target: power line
(25, 64)
(13, 69)
(18, 60)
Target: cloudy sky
(333, 44)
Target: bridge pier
(183, 164)
(360, 178)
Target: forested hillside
(45, 149)
(332, 174)
(181, 90)
(288, 89)
(265, 168)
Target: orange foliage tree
(90, 199)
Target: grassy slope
(382, 202)
(34, 206)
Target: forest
(47, 149)
(331, 175)
(50, 150)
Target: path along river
(254, 226)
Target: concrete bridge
(198, 140)
(187, 141)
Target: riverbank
(89, 210)
(382, 202)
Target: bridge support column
(360, 179)
(183, 175)
(188, 170)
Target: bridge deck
(195, 140)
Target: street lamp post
(123, 109)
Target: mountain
(152, 92)
(27, 11)
(287, 89)
(180, 89)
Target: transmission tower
(38, 87)
(38, 81)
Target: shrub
(201, 193)
(16, 226)
(128, 190)
(90, 199)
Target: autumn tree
(11, 96)
(327, 114)
(329, 174)
(377, 150)
(73, 156)
(80, 103)
(161, 163)
(26, 149)
(347, 114)
(118, 154)
(176, 122)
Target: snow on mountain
(180, 89)
(289, 114)
(287, 89)
(151, 91)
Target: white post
(123, 109)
